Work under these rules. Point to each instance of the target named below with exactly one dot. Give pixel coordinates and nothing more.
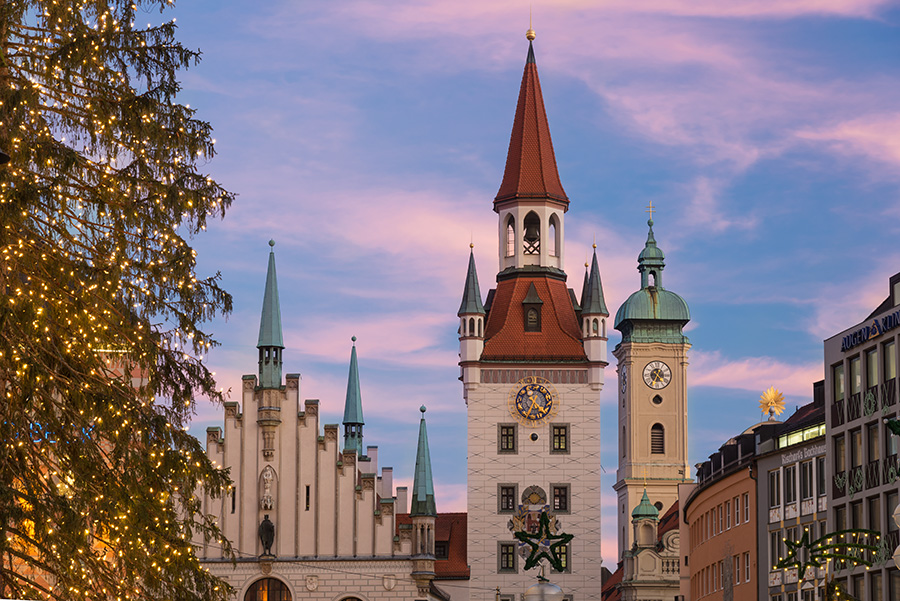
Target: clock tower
(652, 390)
(532, 359)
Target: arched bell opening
(510, 236)
(532, 238)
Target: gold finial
(471, 245)
(594, 245)
(644, 472)
(772, 401)
(650, 209)
(530, 35)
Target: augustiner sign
(876, 328)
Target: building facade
(720, 520)
(862, 454)
(531, 362)
(792, 499)
(310, 515)
(652, 367)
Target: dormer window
(531, 307)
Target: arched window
(532, 239)
(657, 440)
(595, 327)
(553, 237)
(603, 328)
(653, 278)
(479, 327)
(510, 237)
(471, 331)
(268, 589)
(532, 319)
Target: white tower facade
(532, 364)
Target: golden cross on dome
(644, 472)
(650, 209)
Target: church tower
(532, 362)
(652, 367)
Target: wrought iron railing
(854, 407)
(889, 393)
(873, 474)
(837, 413)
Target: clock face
(657, 375)
(533, 401)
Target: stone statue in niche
(267, 501)
(267, 535)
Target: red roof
(667, 522)
(530, 163)
(449, 528)
(505, 335)
(610, 590)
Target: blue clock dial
(533, 402)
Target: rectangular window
(838, 376)
(506, 438)
(563, 554)
(507, 495)
(307, 497)
(737, 510)
(890, 361)
(840, 454)
(746, 507)
(875, 513)
(736, 568)
(820, 476)
(872, 442)
(233, 498)
(806, 480)
(774, 548)
(855, 448)
(871, 368)
(560, 497)
(855, 376)
(840, 518)
(859, 586)
(775, 488)
(727, 515)
(875, 581)
(790, 484)
(856, 514)
(721, 519)
(560, 438)
(506, 558)
(747, 567)
(894, 575)
(891, 500)
(441, 549)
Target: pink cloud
(754, 374)
(875, 136)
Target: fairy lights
(101, 351)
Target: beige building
(652, 366)
(532, 359)
(311, 515)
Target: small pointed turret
(270, 342)
(471, 299)
(353, 413)
(423, 485)
(651, 261)
(592, 301)
(584, 285)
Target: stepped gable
(505, 335)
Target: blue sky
(369, 138)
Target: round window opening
(658, 505)
(268, 589)
(657, 400)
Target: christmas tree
(100, 342)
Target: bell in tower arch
(532, 234)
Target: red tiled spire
(530, 164)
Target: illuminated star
(544, 535)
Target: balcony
(873, 474)
(891, 469)
(889, 393)
(854, 407)
(837, 413)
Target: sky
(368, 139)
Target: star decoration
(541, 538)
(822, 549)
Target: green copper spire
(584, 285)
(592, 302)
(270, 342)
(471, 299)
(423, 485)
(353, 414)
(653, 314)
(645, 509)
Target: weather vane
(771, 401)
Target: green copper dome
(645, 509)
(652, 314)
